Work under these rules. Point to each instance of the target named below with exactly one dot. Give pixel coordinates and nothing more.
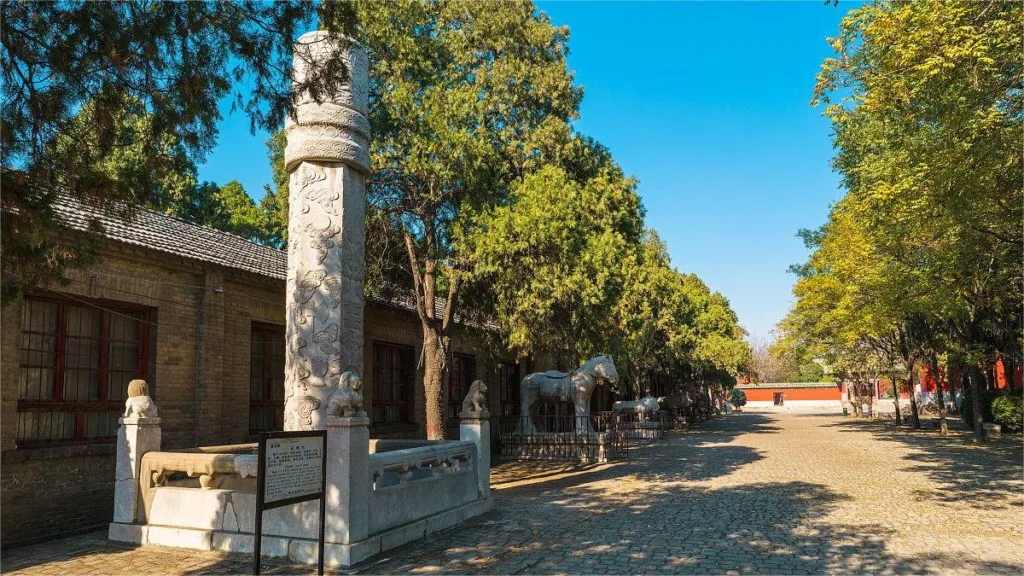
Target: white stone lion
(347, 398)
(139, 403)
(475, 400)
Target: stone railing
(415, 483)
(214, 466)
(380, 494)
(390, 469)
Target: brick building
(200, 315)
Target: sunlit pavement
(779, 492)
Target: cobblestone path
(758, 492)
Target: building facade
(200, 315)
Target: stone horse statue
(555, 386)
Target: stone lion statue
(475, 400)
(139, 403)
(347, 398)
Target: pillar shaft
(327, 156)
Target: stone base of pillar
(135, 437)
(475, 427)
(298, 550)
(348, 479)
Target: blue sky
(706, 104)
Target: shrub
(1008, 411)
(967, 405)
(737, 397)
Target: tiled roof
(175, 236)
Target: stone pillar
(476, 428)
(136, 436)
(348, 479)
(327, 156)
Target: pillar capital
(334, 130)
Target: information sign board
(292, 469)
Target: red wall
(1002, 381)
(767, 394)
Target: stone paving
(758, 492)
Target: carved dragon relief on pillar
(327, 155)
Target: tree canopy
(923, 255)
(482, 198)
(107, 101)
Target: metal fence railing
(595, 438)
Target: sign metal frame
(261, 505)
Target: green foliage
(1002, 407)
(481, 193)
(275, 198)
(923, 255)
(1008, 410)
(737, 397)
(811, 372)
(458, 92)
(231, 209)
(110, 102)
(553, 255)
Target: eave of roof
(171, 235)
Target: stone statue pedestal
(475, 427)
(135, 437)
(348, 487)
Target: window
(508, 388)
(266, 378)
(462, 375)
(76, 359)
(393, 379)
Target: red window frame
(81, 408)
(271, 388)
(393, 378)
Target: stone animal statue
(645, 404)
(139, 403)
(555, 386)
(347, 398)
(475, 400)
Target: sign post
(292, 469)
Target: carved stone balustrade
(418, 463)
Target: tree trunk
(433, 384)
(943, 429)
(974, 375)
(915, 420)
(954, 383)
(896, 398)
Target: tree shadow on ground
(94, 553)
(700, 453)
(985, 476)
(607, 528)
(61, 550)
